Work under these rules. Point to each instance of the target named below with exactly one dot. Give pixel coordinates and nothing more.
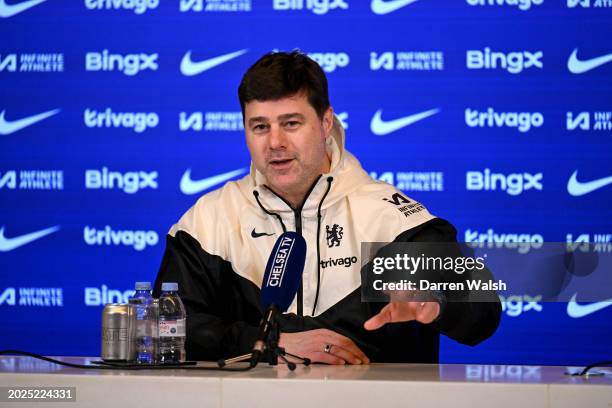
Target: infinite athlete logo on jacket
(404, 205)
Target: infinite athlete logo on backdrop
(32, 62)
(211, 121)
(587, 3)
(412, 180)
(596, 121)
(407, 61)
(32, 297)
(39, 179)
(489, 112)
(215, 6)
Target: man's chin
(282, 183)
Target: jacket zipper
(297, 213)
(300, 295)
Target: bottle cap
(143, 285)
(169, 286)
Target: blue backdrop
(116, 115)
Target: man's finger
(346, 355)
(322, 357)
(348, 345)
(428, 312)
(376, 322)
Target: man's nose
(278, 138)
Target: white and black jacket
(218, 250)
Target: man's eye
(260, 128)
(292, 124)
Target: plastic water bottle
(172, 325)
(146, 323)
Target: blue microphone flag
(283, 271)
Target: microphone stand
(271, 345)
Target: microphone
(280, 284)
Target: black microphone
(280, 284)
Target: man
(302, 179)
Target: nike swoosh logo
(576, 66)
(190, 68)
(382, 128)
(8, 244)
(8, 127)
(576, 310)
(189, 186)
(577, 188)
(9, 10)
(385, 7)
(259, 234)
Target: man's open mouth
(280, 162)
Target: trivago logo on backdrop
(108, 119)
(109, 236)
(137, 6)
(490, 118)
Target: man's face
(286, 140)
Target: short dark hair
(278, 75)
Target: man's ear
(328, 121)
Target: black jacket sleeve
(468, 322)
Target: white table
(317, 386)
